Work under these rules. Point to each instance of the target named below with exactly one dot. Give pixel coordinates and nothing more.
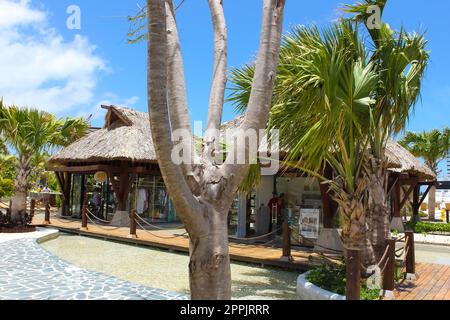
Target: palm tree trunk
(432, 203)
(354, 221)
(378, 213)
(209, 265)
(19, 201)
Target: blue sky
(72, 72)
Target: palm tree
(30, 132)
(322, 107)
(396, 59)
(400, 60)
(432, 146)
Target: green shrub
(423, 214)
(6, 187)
(429, 227)
(332, 278)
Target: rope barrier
(158, 236)
(255, 238)
(152, 225)
(101, 220)
(315, 244)
(98, 225)
(68, 220)
(238, 245)
(385, 255)
(384, 267)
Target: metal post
(47, 213)
(286, 241)
(389, 271)
(133, 234)
(410, 256)
(84, 217)
(353, 286)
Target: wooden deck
(263, 255)
(433, 283)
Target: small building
(114, 170)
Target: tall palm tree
(30, 132)
(432, 146)
(400, 60)
(397, 60)
(322, 107)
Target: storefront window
(151, 200)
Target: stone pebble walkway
(29, 272)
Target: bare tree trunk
(209, 265)
(432, 203)
(203, 196)
(19, 200)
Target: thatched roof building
(127, 136)
(405, 162)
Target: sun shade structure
(123, 151)
(126, 136)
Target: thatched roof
(126, 136)
(405, 162)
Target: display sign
(309, 223)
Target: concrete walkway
(29, 272)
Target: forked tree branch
(219, 81)
(178, 105)
(260, 100)
(159, 117)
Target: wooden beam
(392, 184)
(396, 200)
(61, 183)
(107, 168)
(416, 203)
(408, 193)
(425, 194)
(84, 169)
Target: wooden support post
(389, 270)
(133, 234)
(286, 241)
(415, 205)
(353, 285)
(84, 217)
(47, 213)
(410, 255)
(396, 200)
(32, 207)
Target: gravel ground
(165, 270)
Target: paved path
(28, 271)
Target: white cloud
(14, 13)
(39, 67)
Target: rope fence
(88, 213)
(159, 236)
(152, 225)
